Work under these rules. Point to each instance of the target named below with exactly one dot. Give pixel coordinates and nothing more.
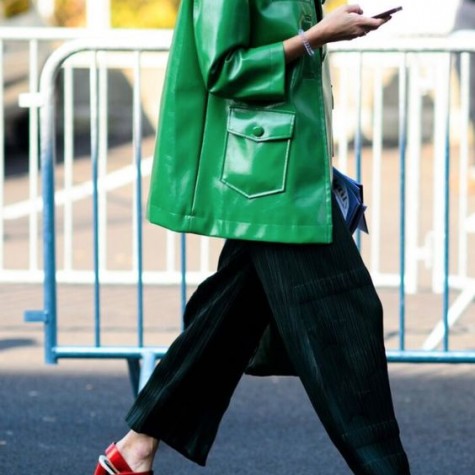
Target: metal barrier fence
(416, 180)
(22, 55)
(435, 70)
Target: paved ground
(56, 419)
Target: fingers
(354, 9)
(366, 25)
(375, 23)
(346, 23)
(369, 22)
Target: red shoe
(113, 463)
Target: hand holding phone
(387, 13)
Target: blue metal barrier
(141, 359)
(53, 352)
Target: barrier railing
(95, 190)
(425, 70)
(23, 52)
(406, 174)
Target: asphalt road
(57, 419)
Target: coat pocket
(257, 151)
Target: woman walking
(244, 152)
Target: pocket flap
(261, 125)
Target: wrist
(316, 36)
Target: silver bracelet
(306, 43)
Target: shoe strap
(106, 465)
(116, 460)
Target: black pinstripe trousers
(321, 299)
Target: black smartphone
(387, 12)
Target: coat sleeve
(231, 68)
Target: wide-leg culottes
(321, 299)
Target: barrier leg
(455, 312)
(148, 364)
(140, 370)
(134, 374)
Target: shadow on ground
(10, 343)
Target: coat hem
(291, 233)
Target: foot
(138, 450)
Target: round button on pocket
(258, 131)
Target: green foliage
(12, 8)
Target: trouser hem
(181, 448)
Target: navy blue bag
(349, 196)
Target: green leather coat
(243, 147)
